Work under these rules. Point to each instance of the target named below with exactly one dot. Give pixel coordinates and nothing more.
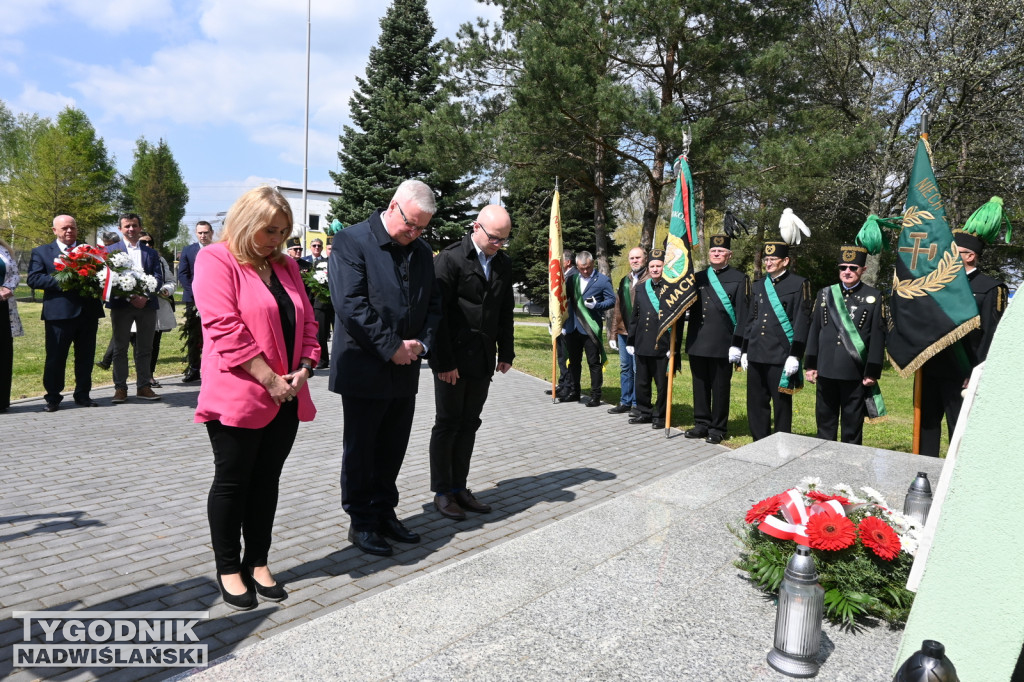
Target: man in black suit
(845, 349)
(774, 341)
(138, 310)
(387, 309)
(714, 336)
(192, 329)
(323, 311)
(70, 319)
(475, 280)
(650, 351)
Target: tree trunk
(657, 173)
(600, 224)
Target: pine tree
(156, 191)
(382, 149)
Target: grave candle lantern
(919, 499)
(798, 619)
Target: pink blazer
(240, 320)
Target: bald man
(475, 336)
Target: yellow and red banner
(557, 305)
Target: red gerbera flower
(830, 531)
(819, 496)
(879, 537)
(764, 508)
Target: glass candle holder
(798, 619)
(919, 499)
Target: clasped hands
(284, 387)
(408, 352)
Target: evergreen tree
(156, 191)
(401, 88)
(66, 170)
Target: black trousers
(562, 357)
(763, 396)
(6, 356)
(61, 335)
(712, 384)
(324, 320)
(243, 498)
(576, 343)
(647, 368)
(373, 448)
(837, 397)
(940, 397)
(454, 432)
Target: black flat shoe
(239, 602)
(640, 420)
(275, 592)
(369, 541)
(394, 529)
(713, 438)
(619, 409)
(695, 433)
(87, 403)
(51, 407)
(569, 398)
(593, 402)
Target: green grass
(30, 352)
(533, 356)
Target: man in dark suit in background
(387, 308)
(137, 310)
(650, 351)
(475, 280)
(69, 319)
(773, 343)
(714, 336)
(589, 293)
(192, 330)
(323, 311)
(846, 349)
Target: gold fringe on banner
(937, 347)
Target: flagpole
(671, 374)
(915, 443)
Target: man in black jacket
(773, 342)
(387, 307)
(714, 336)
(651, 352)
(69, 319)
(475, 280)
(845, 349)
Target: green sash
(854, 344)
(626, 296)
(649, 288)
(722, 296)
(591, 326)
(786, 384)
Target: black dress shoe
(155, 384)
(239, 602)
(655, 424)
(639, 420)
(190, 376)
(713, 438)
(569, 398)
(369, 541)
(593, 402)
(103, 365)
(51, 407)
(547, 391)
(619, 409)
(396, 530)
(696, 433)
(275, 592)
(634, 412)
(87, 403)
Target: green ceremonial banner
(931, 301)
(681, 291)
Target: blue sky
(223, 81)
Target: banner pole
(915, 447)
(554, 369)
(671, 375)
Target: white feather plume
(790, 227)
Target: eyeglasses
(497, 241)
(410, 225)
(845, 268)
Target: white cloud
(48, 104)
(112, 16)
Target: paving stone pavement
(105, 508)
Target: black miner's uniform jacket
(764, 340)
(710, 333)
(825, 350)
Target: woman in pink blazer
(259, 349)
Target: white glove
(613, 344)
(590, 303)
(734, 354)
(792, 366)
(743, 361)
(167, 290)
(668, 354)
(630, 349)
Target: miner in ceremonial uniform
(989, 293)
(714, 338)
(774, 341)
(651, 353)
(845, 350)
(625, 298)
(589, 294)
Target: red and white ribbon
(796, 516)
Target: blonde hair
(252, 212)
